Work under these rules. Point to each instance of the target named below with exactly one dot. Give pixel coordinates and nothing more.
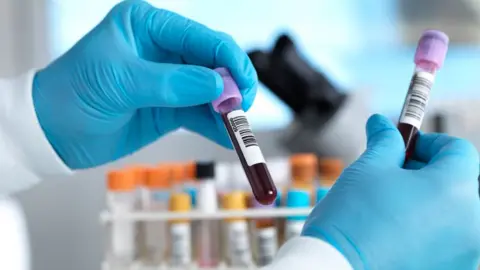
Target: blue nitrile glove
(381, 216)
(141, 73)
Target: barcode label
(239, 244)
(180, 237)
(417, 99)
(240, 124)
(267, 245)
(245, 138)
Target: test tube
(243, 140)
(190, 179)
(239, 253)
(304, 171)
(180, 232)
(266, 237)
(140, 173)
(121, 199)
(158, 193)
(329, 169)
(294, 224)
(429, 57)
(278, 200)
(178, 174)
(207, 235)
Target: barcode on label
(244, 138)
(240, 252)
(180, 244)
(240, 124)
(267, 247)
(418, 98)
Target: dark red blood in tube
(409, 134)
(258, 174)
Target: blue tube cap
(193, 194)
(298, 199)
(321, 193)
(278, 200)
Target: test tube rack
(193, 267)
(107, 217)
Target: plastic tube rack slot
(107, 217)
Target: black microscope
(328, 121)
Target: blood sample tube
(178, 176)
(266, 237)
(239, 253)
(180, 232)
(329, 170)
(190, 185)
(303, 168)
(431, 51)
(156, 200)
(207, 238)
(243, 140)
(121, 199)
(296, 198)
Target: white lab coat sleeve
(26, 156)
(14, 245)
(307, 253)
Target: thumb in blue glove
(382, 216)
(140, 74)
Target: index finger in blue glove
(196, 44)
(443, 151)
(150, 84)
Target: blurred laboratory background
(324, 67)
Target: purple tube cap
(230, 97)
(432, 47)
(258, 205)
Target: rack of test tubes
(198, 215)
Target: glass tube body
(239, 253)
(122, 232)
(415, 104)
(155, 231)
(250, 155)
(180, 234)
(266, 241)
(207, 236)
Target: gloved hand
(381, 216)
(141, 73)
